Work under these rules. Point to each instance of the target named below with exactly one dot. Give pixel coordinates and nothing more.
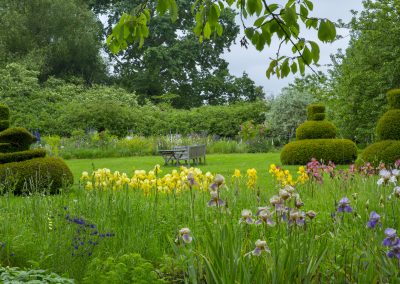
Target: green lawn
(224, 164)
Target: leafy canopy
(272, 19)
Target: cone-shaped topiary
(316, 139)
(22, 169)
(387, 150)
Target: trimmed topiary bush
(21, 156)
(40, 173)
(19, 139)
(319, 116)
(393, 97)
(387, 151)
(316, 130)
(339, 151)
(388, 127)
(4, 112)
(4, 124)
(314, 110)
(316, 139)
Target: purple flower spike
(374, 219)
(344, 205)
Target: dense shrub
(36, 174)
(128, 268)
(393, 97)
(387, 151)
(314, 110)
(316, 130)
(21, 156)
(17, 275)
(19, 139)
(388, 127)
(339, 151)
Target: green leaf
(207, 31)
(309, 4)
(254, 6)
(285, 70)
(307, 56)
(249, 32)
(259, 21)
(293, 67)
(162, 6)
(173, 9)
(271, 68)
(219, 29)
(290, 16)
(315, 51)
(302, 66)
(213, 15)
(326, 31)
(272, 8)
(303, 11)
(312, 23)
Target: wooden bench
(197, 153)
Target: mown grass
(332, 248)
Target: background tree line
(52, 55)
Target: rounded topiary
(36, 174)
(313, 110)
(316, 130)
(339, 151)
(16, 139)
(387, 151)
(393, 97)
(388, 127)
(4, 112)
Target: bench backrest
(192, 152)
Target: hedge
(313, 110)
(388, 127)
(45, 173)
(339, 151)
(387, 151)
(19, 138)
(316, 130)
(4, 112)
(393, 97)
(21, 156)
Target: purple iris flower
(394, 252)
(391, 239)
(344, 205)
(374, 219)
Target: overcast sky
(255, 63)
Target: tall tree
(173, 61)
(58, 37)
(367, 70)
(272, 19)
